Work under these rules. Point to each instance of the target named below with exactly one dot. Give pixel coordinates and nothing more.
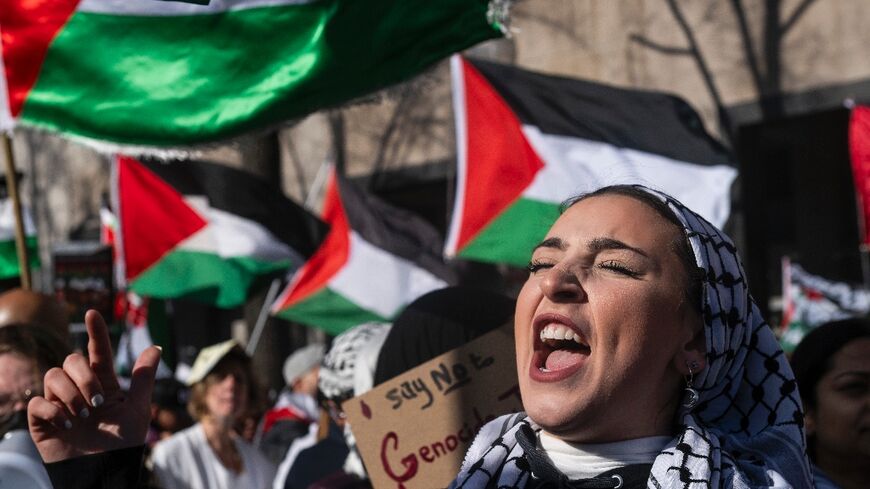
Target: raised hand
(83, 410)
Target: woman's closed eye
(854, 387)
(619, 267)
(538, 265)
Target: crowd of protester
(196, 434)
(681, 378)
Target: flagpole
(261, 318)
(12, 187)
(317, 184)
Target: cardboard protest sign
(414, 429)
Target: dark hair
(35, 342)
(813, 357)
(694, 274)
(169, 393)
(438, 322)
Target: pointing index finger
(100, 351)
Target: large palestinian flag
(527, 141)
(376, 259)
(147, 72)
(205, 231)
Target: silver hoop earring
(691, 394)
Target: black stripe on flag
(394, 230)
(245, 195)
(651, 122)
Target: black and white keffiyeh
(337, 370)
(746, 431)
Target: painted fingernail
(67, 424)
(84, 413)
(97, 400)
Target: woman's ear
(692, 355)
(809, 422)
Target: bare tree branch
(393, 126)
(724, 123)
(772, 58)
(669, 50)
(296, 162)
(339, 140)
(793, 18)
(748, 45)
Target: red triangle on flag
(499, 163)
(329, 258)
(28, 29)
(154, 216)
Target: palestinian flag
(375, 260)
(526, 142)
(152, 73)
(8, 253)
(810, 301)
(859, 149)
(204, 231)
(145, 321)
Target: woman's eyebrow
(600, 244)
(553, 242)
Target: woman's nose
(562, 285)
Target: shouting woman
(642, 361)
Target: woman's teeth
(559, 332)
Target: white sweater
(186, 461)
(582, 461)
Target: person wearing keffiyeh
(643, 361)
(327, 456)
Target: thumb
(142, 379)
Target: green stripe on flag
(510, 237)
(329, 311)
(9, 257)
(204, 277)
(182, 79)
(160, 332)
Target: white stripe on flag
(228, 236)
(157, 8)
(379, 281)
(6, 121)
(457, 75)
(7, 221)
(114, 195)
(139, 339)
(574, 166)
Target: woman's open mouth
(560, 348)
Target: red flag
(859, 147)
